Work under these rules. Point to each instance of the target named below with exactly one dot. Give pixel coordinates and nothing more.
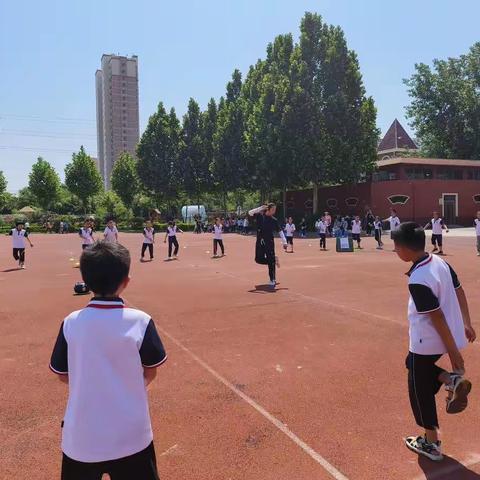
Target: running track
(305, 383)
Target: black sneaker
(420, 445)
(458, 391)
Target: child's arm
(427, 225)
(29, 241)
(165, 239)
(257, 210)
(462, 300)
(180, 230)
(149, 375)
(441, 326)
(444, 227)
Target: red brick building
(413, 186)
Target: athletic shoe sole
(459, 401)
(419, 451)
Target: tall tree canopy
(445, 106)
(193, 157)
(124, 178)
(158, 155)
(82, 178)
(228, 167)
(44, 183)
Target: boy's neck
(418, 256)
(105, 297)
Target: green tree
(208, 127)
(109, 205)
(445, 106)
(26, 198)
(340, 134)
(8, 203)
(82, 178)
(193, 160)
(3, 190)
(228, 167)
(124, 178)
(44, 183)
(158, 156)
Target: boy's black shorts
(437, 239)
(356, 237)
(290, 240)
(141, 465)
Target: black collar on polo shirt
(418, 263)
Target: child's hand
(458, 365)
(470, 333)
(165, 241)
(31, 245)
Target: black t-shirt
(266, 226)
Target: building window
(476, 198)
(419, 173)
(386, 157)
(398, 199)
(351, 201)
(449, 174)
(384, 176)
(332, 203)
(309, 204)
(473, 174)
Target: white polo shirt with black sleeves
(18, 237)
(432, 284)
(148, 235)
(103, 348)
(477, 226)
(110, 234)
(356, 227)
(437, 226)
(172, 231)
(394, 222)
(86, 234)
(289, 229)
(217, 232)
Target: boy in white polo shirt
(19, 234)
(289, 231)
(217, 238)
(108, 354)
(110, 233)
(438, 226)
(357, 230)
(439, 323)
(476, 223)
(86, 234)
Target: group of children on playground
(113, 380)
(128, 352)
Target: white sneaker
(420, 445)
(22, 265)
(272, 283)
(458, 390)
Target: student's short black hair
(270, 205)
(19, 222)
(410, 235)
(104, 266)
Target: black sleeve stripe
(59, 359)
(423, 297)
(56, 371)
(152, 352)
(455, 280)
(157, 364)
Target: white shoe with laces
(272, 283)
(419, 445)
(458, 390)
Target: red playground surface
(306, 382)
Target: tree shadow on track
(448, 469)
(266, 288)
(16, 269)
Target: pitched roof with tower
(396, 139)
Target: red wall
(424, 198)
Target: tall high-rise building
(118, 129)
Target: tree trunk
(315, 197)
(284, 201)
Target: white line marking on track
(444, 473)
(277, 423)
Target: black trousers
(323, 240)
(19, 254)
(265, 255)
(150, 249)
(423, 385)
(378, 236)
(437, 239)
(171, 242)
(141, 465)
(216, 243)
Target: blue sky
(49, 52)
